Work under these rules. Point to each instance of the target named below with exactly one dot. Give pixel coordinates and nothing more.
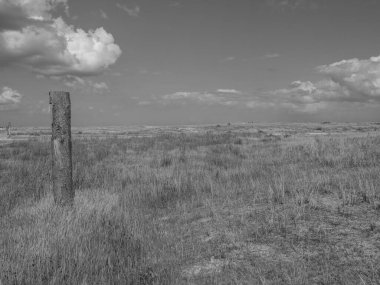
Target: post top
(57, 94)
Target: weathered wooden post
(9, 129)
(62, 181)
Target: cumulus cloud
(360, 77)
(347, 83)
(13, 17)
(48, 45)
(85, 85)
(38, 9)
(271, 55)
(132, 12)
(231, 91)
(175, 4)
(293, 4)
(183, 96)
(230, 58)
(15, 14)
(9, 98)
(304, 96)
(351, 81)
(225, 97)
(307, 92)
(299, 96)
(103, 14)
(101, 86)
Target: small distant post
(61, 149)
(9, 129)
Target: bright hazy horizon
(167, 62)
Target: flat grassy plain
(221, 204)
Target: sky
(170, 62)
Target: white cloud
(225, 97)
(85, 85)
(51, 47)
(360, 77)
(231, 91)
(175, 4)
(271, 55)
(101, 87)
(299, 96)
(144, 103)
(9, 98)
(293, 4)
(132, 12)
(305, 96)
(348, 82)
(31, 9)
(227, 59)
(200, 97)
(103, 14)
(307, 92)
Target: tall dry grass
(200, 209)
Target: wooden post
(9, 129)
(62, 171)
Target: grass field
(226, 204)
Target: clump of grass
(238, 141)
(182, 157)
(25, 174)
(93, 243)
(166, 160)
(224, 156)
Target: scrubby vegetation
(202, 208)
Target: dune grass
(209, 208)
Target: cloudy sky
(128, 62)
